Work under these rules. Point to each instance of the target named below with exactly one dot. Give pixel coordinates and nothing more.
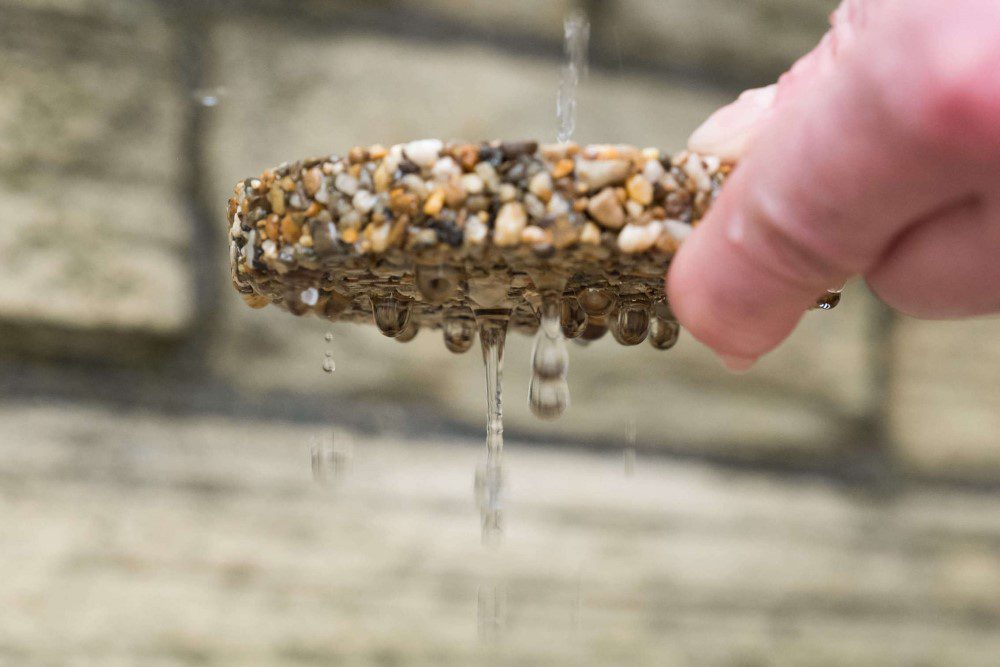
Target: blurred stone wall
(123, 126)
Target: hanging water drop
(663, 333)
(459, 330)
(409, 332)
(596, 327)
(391, 314)
(596, 301)
(548, 392)
(437, 283)
(573, 319)
(632, 324)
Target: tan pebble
(564, 233)
(472, 183)
(314, 209)
(377, 152)
(475, 231)
(467, 155)
(591, 234)
(378, 236)
(349, 235)
(580, 205)
(507, 192)
(489, 175)
(328, 168)
(454, 194)
(290, 230)
(306, 241)
(256, 300)
(595, 174)
(606, 209)
(382, 177)
(534, 235)
(434, 203)
(639, 238)
(277, 200)
(354, 170)
(541, 186)
(633, 209)
(511, 221)
(651, 153)
(313, 180)
(398, 230)
(287, 184)
(272, 227)
(640, 190)
(563, 168)
(356, 154)
(401, 201)
(667, 243)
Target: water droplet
(436, 283)
(596, 301)
(632, 323)
(548, 393)
(663, 333)
(629, 453)
(210, 97)
(328, 337)
(548, 398)
(390, 313)
(576, 31)
(331, 457)
(596, 328)
(329, 365)
(489, 482)
(459, 331)
(573, 319)
(409, 332)
(829, 301)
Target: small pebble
(605, 208)
(364, 201)
(541, 186)
(562, 168)
(558, 206)
(346, 184)
(276, 198)
(596, 174)
(475, 231)
(653, 171)
(507, 192)
(472, 183)
(445, 169)
(639, 238)
(640, 190)
(379, 237)
(677, 229)
(489, 175)
(591, 234)
(510, 222)
(434, 203)
(423, 152)
(313, 181)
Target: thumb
(829, 178)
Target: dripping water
(489, 480)
(548, 391)
(329, 365)
(629, 454)
(576, 33)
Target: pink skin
(876, 155)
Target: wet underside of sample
(422, 235)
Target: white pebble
(364, 201)
(695, 170)
(445, 169)
(423, 152)
(475, 231)
(489, 175)
(679, 230)
(595, 174)
(507, 192)
(653, 171)
(639, 238)
(541, 185)
(380, 237)
(472, 183)
(558, 206)
(510, 222)
(346, 184)
(591, 234)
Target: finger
(727, 133)
(946, 266)
(829, 181)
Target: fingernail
(735, 364)
(728, 131)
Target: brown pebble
(287, 184)
(357, 155)
(467, 156)
(272, 227)
(313, 180)
(377, 152)
(434, 203)
(605, 208)
(349, 235)
(256, 300)
(290, 230)
(314, 209)
(562, 168)
(382, 177)
(277, 200)
(639, 190)
(402, 202)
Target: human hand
(877, 154)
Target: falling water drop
(629, 453)
(329, 365)
(548, 391)
(489, 482)
(409, 332)
(328, 337)
(210, 97)
(391, 314)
